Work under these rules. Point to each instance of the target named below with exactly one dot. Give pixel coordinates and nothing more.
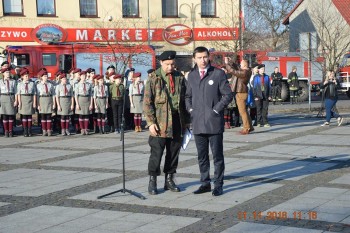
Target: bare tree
(332, 31)
(264, 21)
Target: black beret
(111, 66)
(150, 71)
(255, 65)
(5, 62)
(132, 69)
(167, 55)
(261, 66)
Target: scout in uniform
(74, 80)
(65, 103)
(101, 103)
(136, 100)
(26, 92)
(8, 101)
(166, 116)
(84, 102)
(109, 82)
(116, 91)
(46, 102)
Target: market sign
(177, 34)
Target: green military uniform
(164, 105)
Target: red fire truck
(344, 74)
(65, 56)
(284, 61)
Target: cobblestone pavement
(292, 177)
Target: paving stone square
(294, 169)
(35, 182)
(65, 219)
(112, 160)
(300, 152)
(235, 193)
(30, 155)
(81, 143)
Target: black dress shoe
(203, 189)
(217, 191)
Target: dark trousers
(216, 146)
(276, 93)
(262, 106)
(172, 146)
(117, 108)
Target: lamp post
(192, 8)
(148, 25)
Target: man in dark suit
(207, 94)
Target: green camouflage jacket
(156, 107)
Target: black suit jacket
(203, 96)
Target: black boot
(100, 129)
(170, 184)
(152, 186)
(103, 129)
(25, 132)
(29, 132)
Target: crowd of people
(206, 100)
(79, 99)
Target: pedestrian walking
(330, 88)
(208, 92)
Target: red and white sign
(177, 34)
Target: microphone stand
(122, 125)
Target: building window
(130, 8)
(12, 7)
(46, 7)
(208, 8)
(169, 8)
(88, 8)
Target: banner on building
(177, 34)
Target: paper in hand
(186, 139)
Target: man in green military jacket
(167, 118)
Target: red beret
(24, 71)
(5, 69)
(95, 76)
(77, 70)
(116, 76)
(99, 77)
(110, 74)
(62, 75)
(58, 73)
(71, 69)
(82, 73)
(136, 75)
(42, 72)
